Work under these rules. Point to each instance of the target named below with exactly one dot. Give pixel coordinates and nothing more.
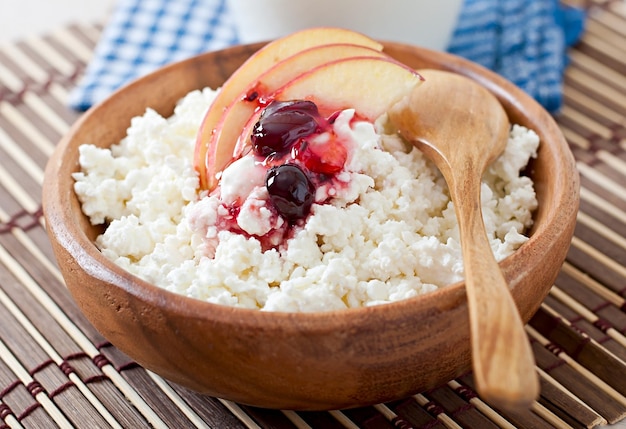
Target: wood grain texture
(463, 128)
(352, 358)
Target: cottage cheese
(389, 234)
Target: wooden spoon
(462, 128)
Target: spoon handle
(503, 362)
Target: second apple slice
(368, 85)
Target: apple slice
(237, 114)
(367, 84)
(263, 59)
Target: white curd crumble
(389, 234)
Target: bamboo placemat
(57, 371)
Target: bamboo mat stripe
(56, 370)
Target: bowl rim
(57, 212)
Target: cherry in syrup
(282, 124)
(290, 190)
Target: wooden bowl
(327, 360)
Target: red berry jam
(282, 124)
(297, 156)
(302, 151)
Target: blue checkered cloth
(523, 40)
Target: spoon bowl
(463, 128)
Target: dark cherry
(290, 190)
(282, 124)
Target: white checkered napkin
(523, 40)
(143, 35)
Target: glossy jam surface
(300, 149)
(290, 190)
(282, 124)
